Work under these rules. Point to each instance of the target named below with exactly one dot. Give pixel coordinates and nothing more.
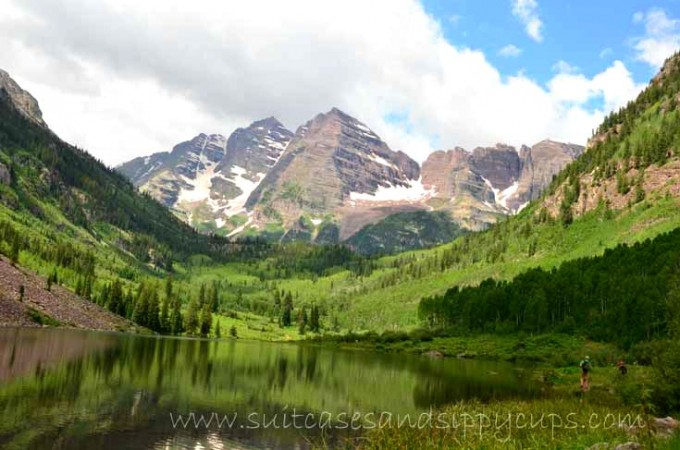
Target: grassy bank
(550, 424)
(554, 350)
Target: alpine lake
(73, 389)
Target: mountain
(480, 186)
(208, 179)
(66, 220)
(335, 174)
(42, 172)
(334, 177)
(633, 155)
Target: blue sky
(587, 34)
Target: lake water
(71, 389)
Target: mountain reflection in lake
(72, 389)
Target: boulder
(665, 426)
(628, 446)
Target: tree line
(618, 297)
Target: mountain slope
(207, 180)
(57, 200)
(633, 154)
(333, 164)
(480, 186)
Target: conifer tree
(165, 308)
(286, 316)
(302, 320)
(214, 298)
(153, 310)
(15, 249)
(314, 320)
(206, 320)
(141, 311)
(201, 296)
(176, 320)
(191, 319)
(232, 332)
(116, 301)
(218, 332)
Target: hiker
(585, 370)
(621, 365)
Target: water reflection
(72, 389)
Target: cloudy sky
(124, 78)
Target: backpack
(585, 365)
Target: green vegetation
(618, 297)
(402, 231)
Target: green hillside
(559, 227)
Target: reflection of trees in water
(132, 383)
(435, 392)
(448, 381)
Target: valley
(329, 238)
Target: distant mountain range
(333, 177)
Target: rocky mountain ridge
(334, 176)
(22, 100)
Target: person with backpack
(585, 371)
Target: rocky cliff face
(332, 162)
(540, 164)
(479, 186)
(21, 99)
(208, 179)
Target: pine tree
(153, 310)
(302, 320)
(165, 308)
(218, 332)
(176, 320)
(201, 296)
(232, 332)
(206, 320)
(116, 301)
(191, 319)
(141, 311)
(314, 320)
(639, 188)
(286, 316)
(214, 298)
(15, 249)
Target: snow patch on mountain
(414, 192)
(501, 197)
(246, 186)
(199, 188)
(506, 194)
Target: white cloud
(606, 52)
(562, 66)
(661, 38)
(510, 51)
(527, 12)
(139, 77)
(615, 86)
